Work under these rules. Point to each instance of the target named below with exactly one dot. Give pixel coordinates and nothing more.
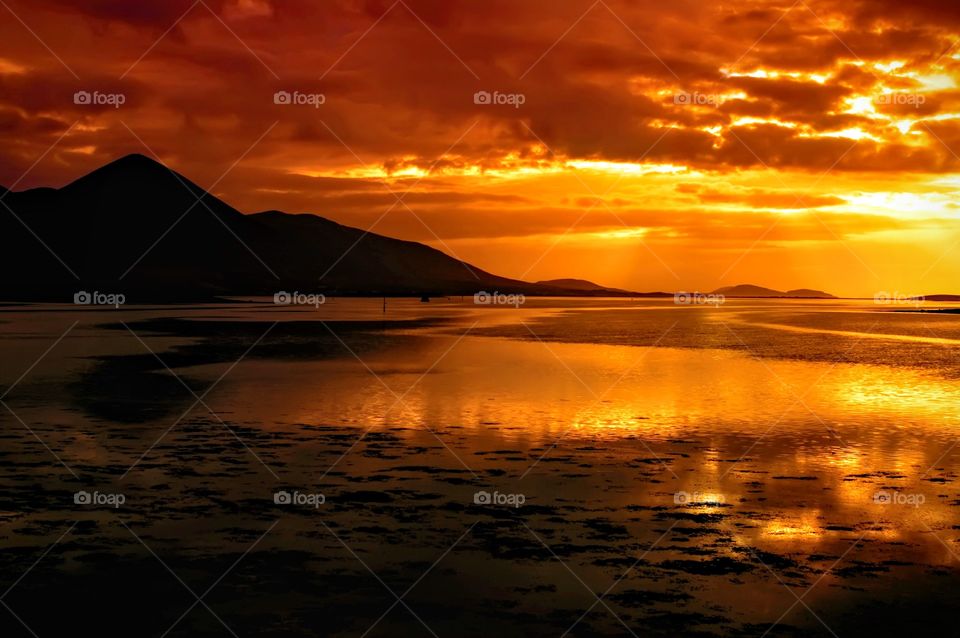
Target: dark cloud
(399, 89)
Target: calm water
(760, 468)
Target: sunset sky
(658, 145)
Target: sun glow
(626, 168)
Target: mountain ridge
(752, 290)
(136, 226)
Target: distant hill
(807, 292)
(588, 287)
(136, 227)
(939, 298)
(573, 284)
(750, 290)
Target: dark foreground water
(578, 468)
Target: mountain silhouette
(750, 290)
(136, 227)
(951, 298)
(583, 285)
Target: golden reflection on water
(896, 391)
(793, 447)
(805, 445)
(859, 335)
(616, 390)
(806, 528)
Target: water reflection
(783, 444)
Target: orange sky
(658, 145)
